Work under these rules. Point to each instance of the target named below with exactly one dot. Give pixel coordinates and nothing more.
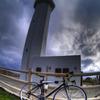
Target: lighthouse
(35, 45)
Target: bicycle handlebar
(41, 75)
(69, 75)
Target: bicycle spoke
(74, 93)
(30, 91)
(64, 95)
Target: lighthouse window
(58, 70)
(65, 70)
(26, 50)
(75, 68)
(38, 69)
(33, 21)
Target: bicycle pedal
(41, 97)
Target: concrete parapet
(92, 91)
(12, 81)
(9, 88)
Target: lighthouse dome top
(47, 1)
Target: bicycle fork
(42, 96)
(66, 90)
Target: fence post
(99, 79)
(30, 75)
(30, 79)
(47, 72)
(81, 79)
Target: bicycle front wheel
(30, 91)
(70, 92)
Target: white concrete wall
(57, 62)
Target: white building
(57, 64)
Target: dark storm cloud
(87, 62)
(98, 46)
(88, 12)
(29, 7)
(64, 36)
(11, 11)
(88, 15)
(60, 28)
(76, 30)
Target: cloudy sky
(74, 30)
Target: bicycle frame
(42, 89)
(54, 90)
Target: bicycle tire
(24, 93)
(74, 93)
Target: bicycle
(35, 91)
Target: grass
(4, 95)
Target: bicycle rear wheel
(71, 93)
(30, 91)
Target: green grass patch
(4, 95)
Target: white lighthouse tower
(37, 35)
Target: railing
(14, 85)
(30, 72)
